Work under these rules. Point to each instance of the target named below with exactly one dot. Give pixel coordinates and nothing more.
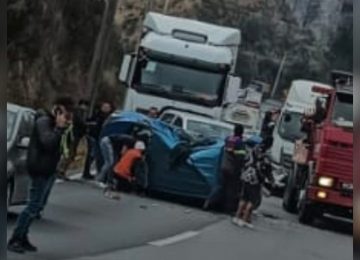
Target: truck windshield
(343, 110)
(182, 83)
(290, 126)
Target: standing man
(153, 112)
(95, 125)
(269, 122)
(43, 157)
(231, 167)
(74, 136)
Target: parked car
(20, 122)
(196, 124)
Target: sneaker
(248, 225)
(238, 222)
(102, 185)
(28, 246)
(16, 246)
(112, 195)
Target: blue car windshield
(209, 130)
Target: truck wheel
(306, 212)
(290, 200)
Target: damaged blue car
(176, 162)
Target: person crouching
(124, 176)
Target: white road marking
(175, 239)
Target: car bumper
(334, 203)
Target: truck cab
(287, 130)
(323, 183)
(181, 63)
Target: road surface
(81, 224)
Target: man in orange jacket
(123, 169)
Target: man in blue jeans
(43, 157)
(95, 125)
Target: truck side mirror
(125, 69)
(232, 91)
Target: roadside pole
(96, 59)
(278, 76)
(166, 6)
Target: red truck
(321, 181)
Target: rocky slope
(50, 42)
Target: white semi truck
(184, 64)
(288, 127)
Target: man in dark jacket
(78, 131)
(43, 156)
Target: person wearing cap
(123, 168)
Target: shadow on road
(184, 201)
(337, 226)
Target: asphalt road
(81, 224)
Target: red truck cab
(323, 184)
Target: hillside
(50, 42)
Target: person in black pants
(231, 167)
(78, 132)
(43, 157)
(95, 125)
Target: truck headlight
(326, 182)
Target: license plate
(347, 186)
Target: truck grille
(337, 161)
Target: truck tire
(291, 194)
(306, 213)
(307, 209)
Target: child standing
(257, 170)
